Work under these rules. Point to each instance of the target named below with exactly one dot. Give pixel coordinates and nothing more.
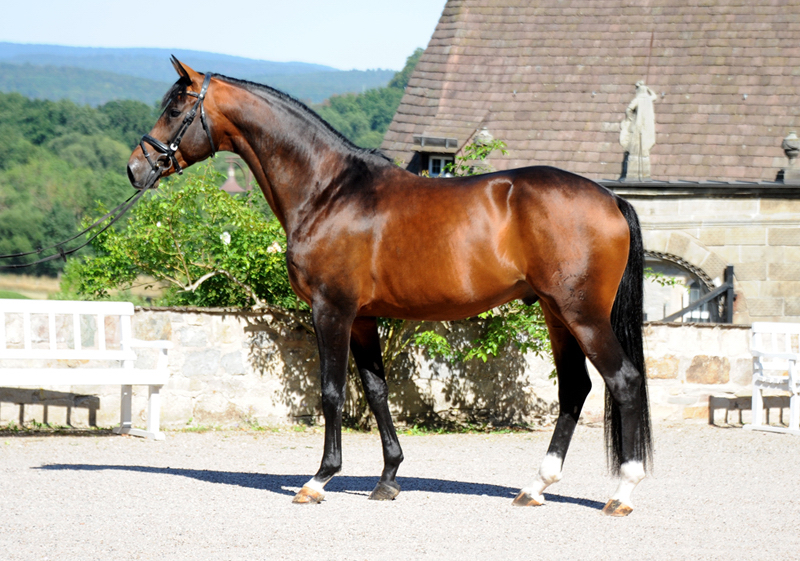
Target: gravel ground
(717, 493)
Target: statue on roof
(791, 147)
(637, 134)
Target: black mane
(271, 93)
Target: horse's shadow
(284, 484)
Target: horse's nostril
(130, 177)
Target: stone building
(553, 79)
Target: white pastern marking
(631, 473)
(550, 470)
(315, 485)
(549, 473)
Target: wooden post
(729, 295)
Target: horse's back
(525, 214)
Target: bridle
(167, 151)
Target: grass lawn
(14, 295)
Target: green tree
(400, 80)
(58, 159)
(210, 248)
(15, 149)
(91, 151)
(128, 120)
(364, 118)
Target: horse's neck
(292, 165)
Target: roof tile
(553, 79)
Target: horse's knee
(332, 398)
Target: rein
(62, 253)
(166, 151)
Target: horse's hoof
(616, 508)
(524, 499)
(308, 496)
(385, 491)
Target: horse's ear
(184, 71)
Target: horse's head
(181, 136)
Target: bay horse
(368, 239)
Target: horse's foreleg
(573, 387)
(333, 336)
(366, 347)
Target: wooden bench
(65, 343)
(776, 352)
(739, 403)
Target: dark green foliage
(58, 159)
(92, 151)
(39, 121)
(128, 120)
(400, 80)
(14, 147)
(364, 118)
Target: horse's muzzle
(147, 180)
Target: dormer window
(435, 153)
(437, 165)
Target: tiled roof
(552, 78)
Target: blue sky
(345, 34)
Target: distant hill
(91, 87)
(318, 87)
(94, 76)
(152, 64)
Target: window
(436, 165)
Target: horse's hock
(238, 369)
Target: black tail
(626, 320)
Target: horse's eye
(174, 113)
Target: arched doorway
(673, 284)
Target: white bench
(64, 343)
(776, 352)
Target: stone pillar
(791, 147)
(637, 135)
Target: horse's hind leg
(573, 387)
(366, 347)
(627, 425)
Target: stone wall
(760, 237)
(241, 369)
